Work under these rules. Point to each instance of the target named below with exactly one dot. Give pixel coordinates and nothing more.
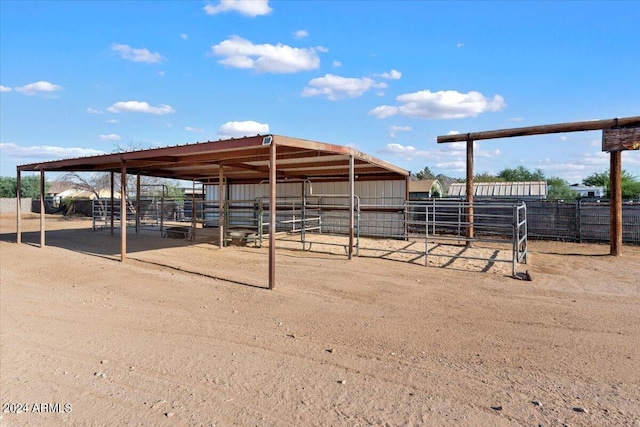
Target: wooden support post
(42, 209)
(193, 209)
(351, 205)
(137, 202)
(18, 209)
(221, 199)
(615, 176)
(112, 201)
(123, 210)
(469, 191)
(407, 179)
(272, 214)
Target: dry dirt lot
(184, 334)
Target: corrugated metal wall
(335, 218)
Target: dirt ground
(185, 334)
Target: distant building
(60, 190)
(425, 189)
(532, 190)
(589, 190)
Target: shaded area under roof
(243, 160)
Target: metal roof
(528, 189)
(243, 160)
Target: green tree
(425, 174)
(30, 186)
(630, 183)
(558, 189)
(521, 174)
(486, 177)
(599, 179)
(7, 187)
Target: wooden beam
(351, 205)
(615, 177)
(123, 210)
(272, 215)
(42, 209)
(18, 208)
(138, 203)
(469, 189)
(111, 212)
(221, 229)
(193, 210)
(541, 130)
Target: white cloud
(336, 87)
(450, 157)
(266, 58)
(516, 119)
(5, 89)
(599, 158)
(93, 111)
(241, 129)
(161, 73)
(140, 107)
(192, 129)
(459, 45)
(113, 121)
(460, 149)
(407, 152)
(110, 137)
(337, 64)
(453, 132)
(391, 75)
(250, 8)
(383, 111)
(38, 87)
(454, 166)
(394, 129)
(563, 138)
(137, 55)
(184, 36)
(300, 34)
(447, 104)
(44, 152)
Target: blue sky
(386, 77)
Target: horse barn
(266, 182)
(307, 193)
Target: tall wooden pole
(193, 209)
(469, 190)
(123, 210)
(138, 202)
(221, 198)
(272, 214)
(42, 209)
(111, 211)
(351, 204)
(615, 177)
(18, 209)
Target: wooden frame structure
(243, 160)
(615, 167)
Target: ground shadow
(103, 245)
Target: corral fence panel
(585, 220)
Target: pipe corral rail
(435, 222)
